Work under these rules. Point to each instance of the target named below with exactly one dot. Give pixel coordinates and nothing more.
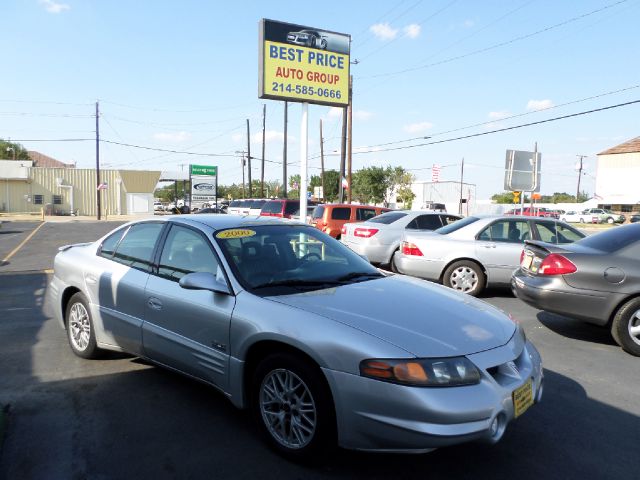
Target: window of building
(57, 199)
(38, 199)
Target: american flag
(103, 186)
(435, 173)
(345, 183)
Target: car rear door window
(341, 213)
(388, 218)
(509, 231)
(186, 251)
(136, 248)
(447, 219)
(109, 244)
(364, 214)
(428, 222)
(552, 232)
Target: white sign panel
(203, 188)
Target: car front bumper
(380, 416)
(553, 294)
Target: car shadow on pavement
(576, 329)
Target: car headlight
(422, 372)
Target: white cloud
(418, 127)
(539, 104)
(269, 137)
(498, 115)
(362, 115)
(173, 137)
(412, 31)
(53, 7)
(383, 31)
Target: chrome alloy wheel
(79, 326)
(463, 279)
(288, 409)
(634, 327)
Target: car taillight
(344, 230)
(365, 232)
(521, 256)
(409, 248)
(556, 264)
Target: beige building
(63, 191)
(618, 177)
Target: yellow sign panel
(307, 74)
(236, 233)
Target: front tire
(610, 220)
(625, 327)
(392, 263)
(465, 276)
(80, 331)
(293, 407)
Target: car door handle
(489, 245)
(91, 279)
(154, 303)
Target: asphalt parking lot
(68, 418)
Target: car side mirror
(204, 281)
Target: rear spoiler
(64, 248)
(544, 246)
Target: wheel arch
(64, 301)
(619, 305)
(459, 259)
(262, 349)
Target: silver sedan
(289, 323)
(379, 238)
(477, 251)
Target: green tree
(370, 184)
(400, 182)
(12, 151)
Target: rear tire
(465, 276)
(293, 407)
(392, 264)
(80, 331)
(582, 220)
(610, 220)
(625, 327)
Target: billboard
(303, 64)
(204, 183)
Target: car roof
(219, 222)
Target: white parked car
(579, 217)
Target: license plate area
(522, 398)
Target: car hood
(423, 318)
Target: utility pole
(350, 144)
(343, 151)
(579, 175)
(264, 118)
(249, 158)
(284, 152)
(324, 196)
(242, 163)
(461, 180)
(98, 203)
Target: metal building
(618, 177)
(66, 191)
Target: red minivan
(283, 208)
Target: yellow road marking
(22, 244)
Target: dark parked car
(634, 218)
(283, 208)
(211, 210)
(596, 279)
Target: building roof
(630, 146)
(42, 160)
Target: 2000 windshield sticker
(306, 73)
(236, 233)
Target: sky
(183, 76)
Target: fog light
(494, 427)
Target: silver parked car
(477, 251)
(379, 238)
(596, 279)
(291, 324)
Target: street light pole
(579, 175)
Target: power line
(152, 109)
(166, 150)
(500, 129)
(497, 45)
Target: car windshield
(286, 259)
(452, 227)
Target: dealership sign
(303, 64)
(204, 183)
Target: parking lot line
(22, 244)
